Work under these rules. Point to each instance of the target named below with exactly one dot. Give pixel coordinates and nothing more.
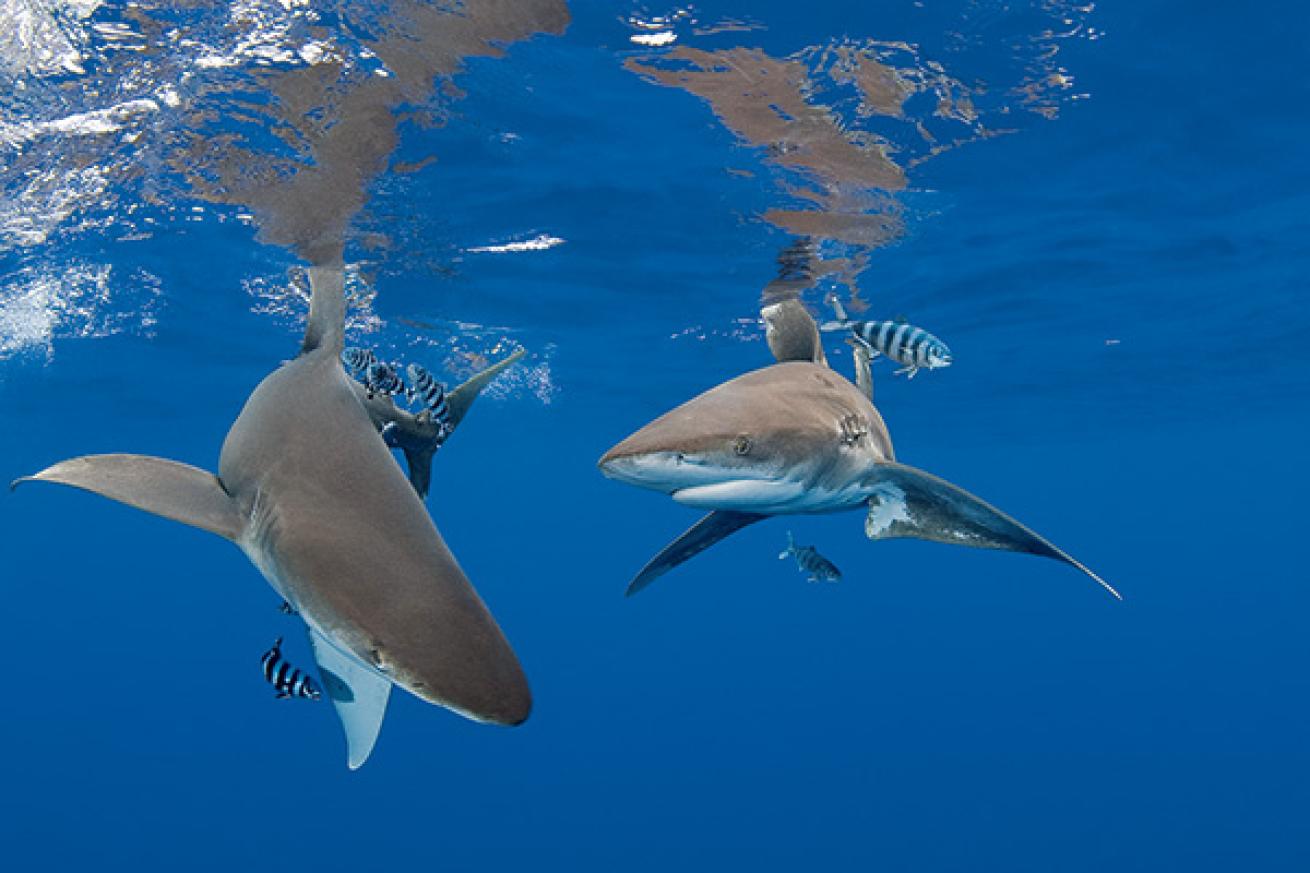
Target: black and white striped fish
(382, 378)
(912, 347)
(357, 360)
(429, 392)
(819, 568)
(286, 680)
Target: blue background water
(941, 709)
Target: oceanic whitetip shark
(308, 490)
(796, 437)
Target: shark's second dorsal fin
(326, 327)
(358, 693)
(792, 333)
(907, 502)
(177, 491)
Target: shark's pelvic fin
(177, 491)
(907, 502)
(696, 539)
(358, 693)
(459, 400)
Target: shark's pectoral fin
(696, 539)
(177, 491)
(459, 400)
(358, 693)
(911, 503)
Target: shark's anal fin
(459, 400)
(358, 693)
(907, 502)
(176, 491)
(700, 536)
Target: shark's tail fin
(462, 397)
(419, 462)
(907, 502)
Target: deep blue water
(940, 708)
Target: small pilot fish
(357, 360)
(382, 378)
(904, 343)
(819, 568)
(288, 681)
(430, 392)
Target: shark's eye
(742, 445)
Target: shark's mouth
(743, 494)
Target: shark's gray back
(364, 561)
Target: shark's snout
(666, 470)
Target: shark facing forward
(796, 437)
(311, 494)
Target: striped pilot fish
(912, 347)
(357, 360)
(382, 378)
(286, 680)
(431, 393)
(819, 568)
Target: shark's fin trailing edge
(459, 400)
(908, 502)
(358, 693)
(176, 491)
(696, 539)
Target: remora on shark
(795, 437)
(312, 495)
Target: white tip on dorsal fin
(358, 693)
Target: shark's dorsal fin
(358, 693)
(907, 502)
(792, 333)
(326, 327)
(696, 539)
(459, 400)
(176, 491)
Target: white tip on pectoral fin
(357, 691)
(907, 502)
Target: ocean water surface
(1102, 208)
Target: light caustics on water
(124, 119)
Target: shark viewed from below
(796, 437)
(312, 495)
